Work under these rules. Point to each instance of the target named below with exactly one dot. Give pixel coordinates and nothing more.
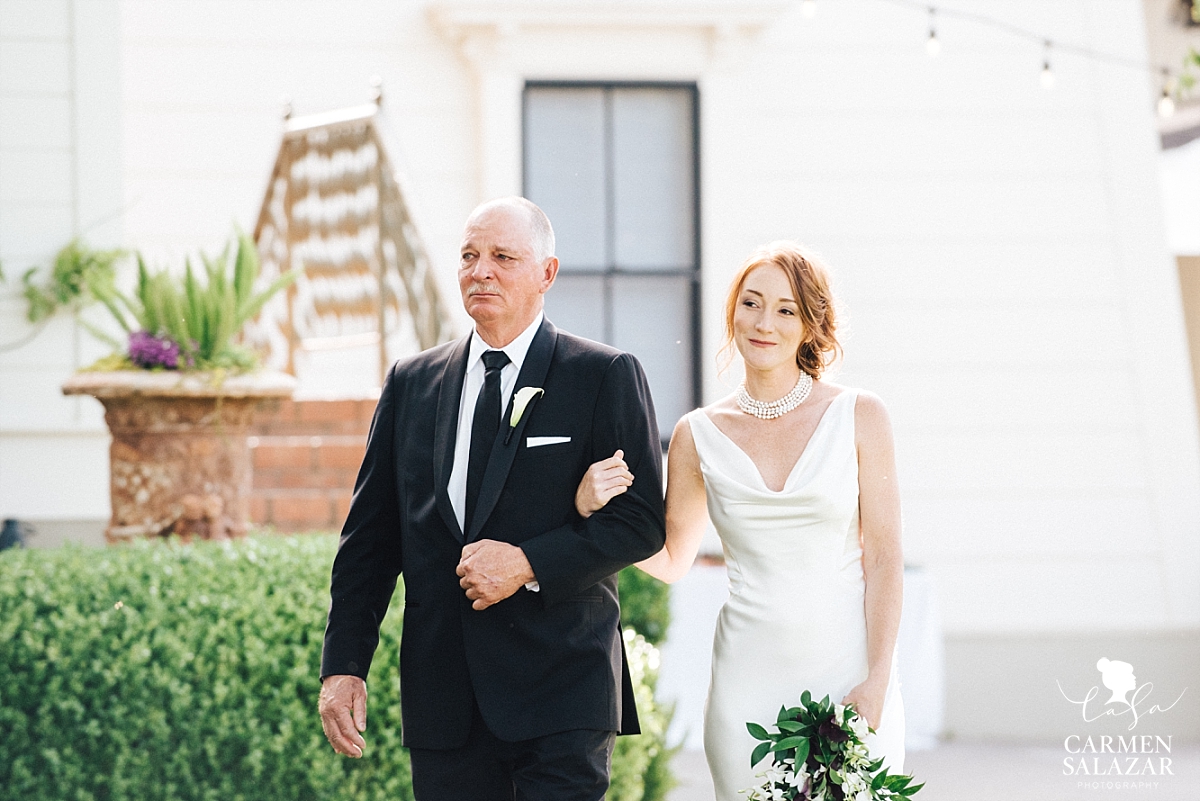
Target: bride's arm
(687, 511)
(883, 560)
(687, 514)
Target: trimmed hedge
(645, 604)
(168, 671)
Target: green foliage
(644, 604)
(1187, 77)
(167, 671)
(640, 763)
(203, 317)
(78, 272)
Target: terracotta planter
(180, 462)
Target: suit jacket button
(353, 666)
(510, 625)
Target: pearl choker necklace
(776, 408)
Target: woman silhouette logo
(1118, 677)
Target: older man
(513, 679)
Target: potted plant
(179, 394)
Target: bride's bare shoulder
(682, 449)
(864, 399)
(871, 417)
(714, 412)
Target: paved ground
(981, 772)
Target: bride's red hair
(809, 278)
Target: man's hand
(343, 706)
(491, 571)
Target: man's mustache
(475, 289)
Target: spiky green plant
(202, 316)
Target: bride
(798, 477)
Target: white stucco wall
(1011, 295)
(1000, 248)
(60, 176)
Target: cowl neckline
(822, 426)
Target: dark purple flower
(148, 351)
(831, 731)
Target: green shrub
(165, 671)
(644, 604)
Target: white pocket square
(537, 442)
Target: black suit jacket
(536, 663)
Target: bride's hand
(602, 482)
(868, 701)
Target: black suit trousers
(567, 766)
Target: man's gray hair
(540, 229)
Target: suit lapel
(445, 431)
(533, 374)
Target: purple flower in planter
(149, 351)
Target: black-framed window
(616, 168)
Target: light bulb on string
(1047, 72)
(1047, 76)
(1166, 103)
(808, 8)
(933, 45)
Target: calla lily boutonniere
(520, 401)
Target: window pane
(653, 188)
(564, 169)
(576, 304)
(652, 319)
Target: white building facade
(999, 248)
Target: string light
(1047, 72)
(808, 8)
(933, 45)
(1166, 103)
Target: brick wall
(305, 457)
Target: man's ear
(550, 273)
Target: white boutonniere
(521, 400)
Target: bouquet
(818, 755)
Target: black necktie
(484, 428)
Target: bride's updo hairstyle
(809, 278)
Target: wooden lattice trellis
(335, 213)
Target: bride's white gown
(795, 619)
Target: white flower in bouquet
(858, 756)
(853, 784)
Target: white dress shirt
(473, 382)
